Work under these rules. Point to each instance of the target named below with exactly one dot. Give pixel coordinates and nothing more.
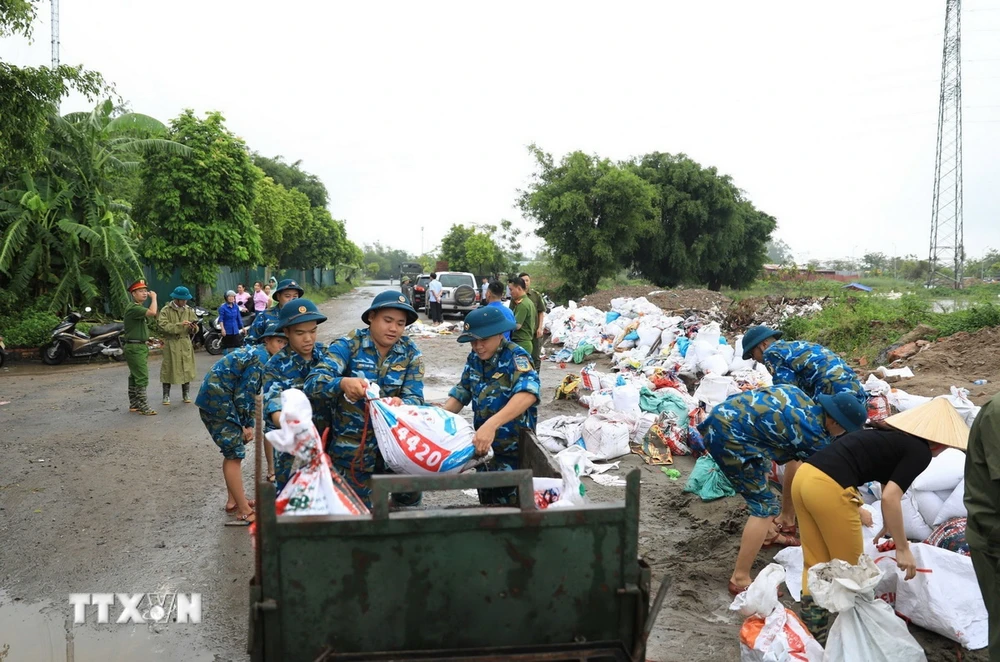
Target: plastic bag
(547, 491)
(315, 488)
(866, 628)
(708, 481)
(772, 633)
(878, 408)
(421, 439)
(654, 447)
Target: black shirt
(860, 457)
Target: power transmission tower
(946, 210)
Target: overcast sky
(418, 114)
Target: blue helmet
(846, 409)
(484, 323)
(391, 299)
(287, 284)
(754, 336)
(298, 311)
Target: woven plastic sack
(708, 481)
(315, 488)
(421, 439)
(772, 633)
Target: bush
(970, 319)
(30, 328)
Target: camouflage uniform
(489, 386)
(287, 369)
(749, 430)
(399, 375)
(813, 368)
(260, 323)
(226, 398)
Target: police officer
(813, 368)
(298, 319)
(380, 354)
(136, 351)
(747, 432)
(226, 405)
(287, 290)
(502, 386)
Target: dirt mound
(769, 310)
(679, 299)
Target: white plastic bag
(714, 389)
(865, 628)
(314, 488)
(626, 399)
(421, 439)
(966, 408)
(953, 506)
(772, 633)
(943, 473)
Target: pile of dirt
(771, 310)
(677, 300)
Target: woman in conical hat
(826, 499)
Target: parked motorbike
(198, 339)
(67, 341)
(213, 333)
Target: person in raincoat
(813, 368)
(226, 405)
(380, 354)
(178, 323)
(503, 388)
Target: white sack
(713, 389)
(914, 525)
(960, 399)
(782, 637)
(943, 473)
(954, 506)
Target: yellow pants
(829, 523)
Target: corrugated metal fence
(228, 279)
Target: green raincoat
(178, 352)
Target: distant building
(805, 273)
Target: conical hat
(935, 421)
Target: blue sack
(682, 345)
(611, 316)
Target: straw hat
(935, 421)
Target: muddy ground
(94, 499)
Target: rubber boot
(143, 403)
(186, 393)
(166, 395)
(133, 402)
(816, 619)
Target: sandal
(243, 520)
(271, 477)
(782, 540)
(232, 510)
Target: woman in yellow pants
(826, 499)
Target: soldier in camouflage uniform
(298, 319)
(380, 354)
(502, 386)
(287, 290)
(813, 368)
(747, 432)
(226, 404)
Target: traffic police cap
(298, 311)
(391, 299)
(484, 323)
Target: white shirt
(434, 291)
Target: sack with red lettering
(421, 439)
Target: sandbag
(708, 481)
(772, 633)
(943, 473)
(626, 399)
(714, 389)
(954, 506)
(607, 436)
(928, 505)
(714, 365)
(865, 628)
(966, 408)
(914, 525)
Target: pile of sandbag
(884, 400)
(936, 495)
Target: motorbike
(198, 339)
(67, 341)
(213, 334)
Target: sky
(418, 115)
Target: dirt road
(94, 499)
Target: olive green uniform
(536, 351)
(527, 317)
(982, 501)
(136, 353)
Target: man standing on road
(407, 288)
(525, 315)
(136, 351)
(434, 300)
(982, 500)
(178, 323)
(482, 291)
(536, 298)
(287, 290)
(381, 354)
(494, 295)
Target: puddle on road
(41, 633)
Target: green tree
(481, 251)
(591, 212)
(875, 262)
(291, 176)
(707, 232)
(778, 252)
(453, 246)
(196, 212)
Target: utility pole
(55, 40)
(421, 240)
(946, 207)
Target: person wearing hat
(231, 323)
(380, 354)
(406, 287)
(299, 320)
(226, 404)
(503, 389)
(136, 351)
(826, 498)
(982, 501)
(287, 290)
(811, 367)
(178, 322)
(746, 432)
